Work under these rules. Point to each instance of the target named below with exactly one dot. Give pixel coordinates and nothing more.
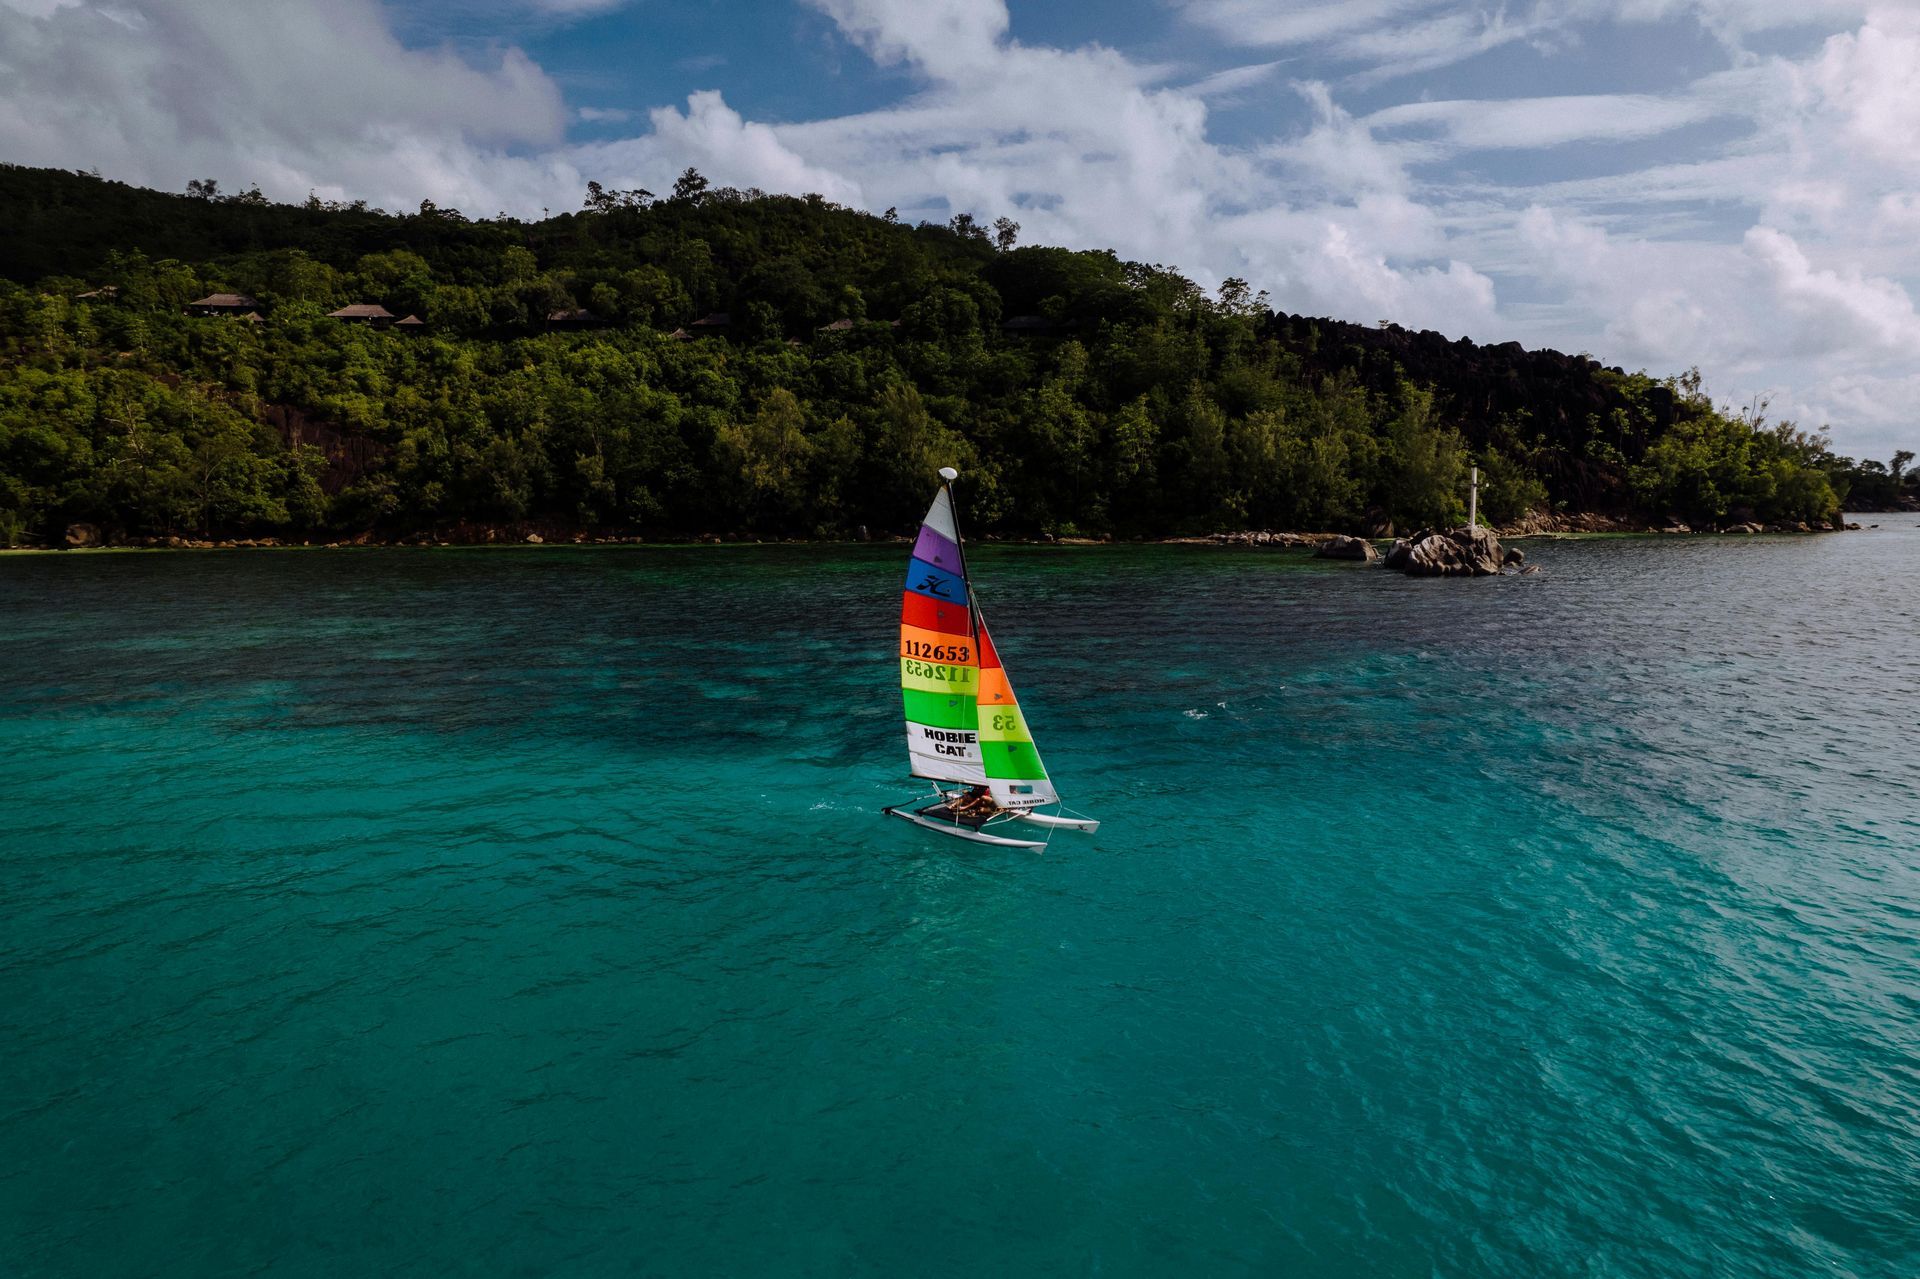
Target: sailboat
(964, 726)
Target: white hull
(1087, 824)
(964, 832)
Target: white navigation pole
(1473, 501)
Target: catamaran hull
(1087, 824)
(963, 832)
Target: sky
(1732, 184)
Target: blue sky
(1661, 183)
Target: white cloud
(1740, 307)
(712, 136)
(1233, 80)
(578, 8)
(1783, 255)
(1879, 409)
(1871, 79)
(1400, 37)
(1838, 310)
(1260, 22)
(946, 37)
(1546, 122)
(1340, 153)
(157, 92)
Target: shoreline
(1576, 529)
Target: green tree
(768, 454)
(1426, 468)
(1509, 488)
(690, 187)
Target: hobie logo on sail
(934, 586)
(948, 741)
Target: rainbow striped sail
(963, 722)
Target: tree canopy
(723, 361)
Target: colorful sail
(939, 659)
(1007, 753)
(963, 721)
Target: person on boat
(975, 806)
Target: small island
(218, 369)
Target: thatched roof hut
(364, 313)
(223, 304)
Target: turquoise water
(528, 912)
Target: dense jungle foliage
(1079, 394)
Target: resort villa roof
(365, 312)
(223, 304)
(838, 326)
(713, 322)
(410, 323)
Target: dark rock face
(1347, 548)
(1460, 552)
(1514, 555)
(1537, 522)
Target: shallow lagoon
(528, 911)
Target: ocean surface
(530, 911)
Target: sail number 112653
(936, 652)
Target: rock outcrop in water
(1347, 548)
(1459, 552)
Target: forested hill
(717, 361)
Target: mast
(947, 476)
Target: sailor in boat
(971, 808)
